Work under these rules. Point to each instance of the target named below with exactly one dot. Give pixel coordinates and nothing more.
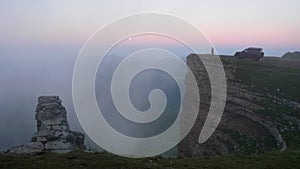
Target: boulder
(27, 148)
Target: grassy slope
(74, 160)
(270, 75)
(278, 77)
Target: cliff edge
(262, 111)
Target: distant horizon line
(219, 49)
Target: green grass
(270, 75)
(74, 160)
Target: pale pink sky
(227, 23)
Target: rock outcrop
(290, 55)
(53, 132)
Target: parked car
(251, 53)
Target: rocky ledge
(53, 132)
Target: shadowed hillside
(262, 111)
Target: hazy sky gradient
(229, 24)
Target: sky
(229, 24)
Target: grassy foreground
(74, 160)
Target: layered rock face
(53, 132)
(252, 121)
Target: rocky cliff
(262, 111)
(53, 132)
